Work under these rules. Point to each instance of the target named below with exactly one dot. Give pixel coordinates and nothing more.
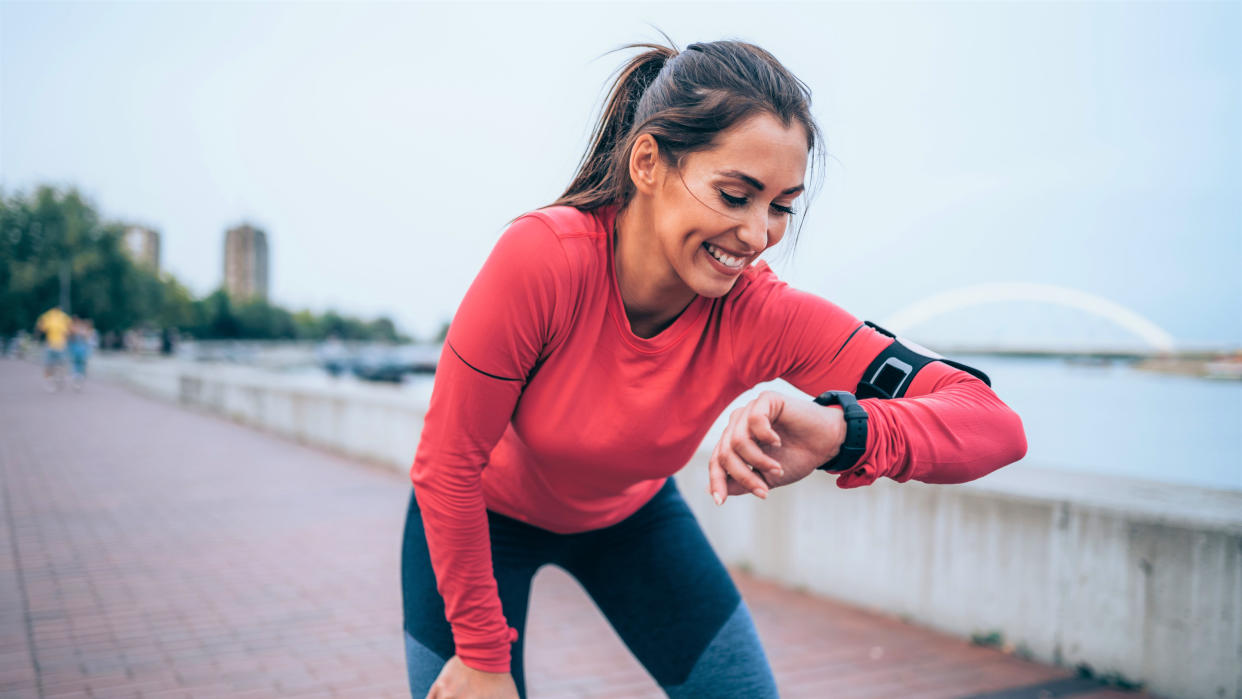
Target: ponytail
(596, 183)
(684, 99)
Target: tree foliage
(51, 232)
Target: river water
(1115, 419)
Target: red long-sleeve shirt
(547, 408)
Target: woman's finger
(717, 477)
(772, 403)
(744, 474)
(719, 485)
(748, 447)
(750, 454)
(736, 488)
(744, 435)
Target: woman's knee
(423, 666)
(732, 665)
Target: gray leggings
(653, 575)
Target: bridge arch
(998, 292)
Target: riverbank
(1221, 367)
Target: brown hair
(684, 99)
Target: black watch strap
(855, 430)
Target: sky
(383, 147)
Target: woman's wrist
(833, 433)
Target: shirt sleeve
(509, 313)
(807, 340)
(949, 427)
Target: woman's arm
(950, 427)
(501, 328)
(466, 417)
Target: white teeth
(725, 259)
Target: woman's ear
(646, 166)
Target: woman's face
(725, 206)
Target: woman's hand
(457, 679)
(773, 441)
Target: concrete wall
(1130, 584)
(1130, 577)
(373, 422)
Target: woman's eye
(732, 200)
(738, 202)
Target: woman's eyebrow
(754, 182)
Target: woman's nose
(754, 231)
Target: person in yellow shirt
(54, 324)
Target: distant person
(168, 341)
(55, 325)
(81, 333)
(592, 353)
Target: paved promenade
(152, 551)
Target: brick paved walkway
(151, 551)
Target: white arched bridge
(1152, 335)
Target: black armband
(890, 373)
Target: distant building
(245, 262)
(143, 245)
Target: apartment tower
(245, 262)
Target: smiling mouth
(723, 257)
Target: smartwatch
(855, 430)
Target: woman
(590, 356)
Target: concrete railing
(373, 422)
(1138, 580)
(1122, 575)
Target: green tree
(50, 231)
(177, 307)
(217, 317)
(306, 326)
(259, 320)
